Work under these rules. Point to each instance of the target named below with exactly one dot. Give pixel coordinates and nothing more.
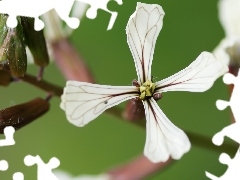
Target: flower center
(146, 89)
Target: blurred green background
(189, 28)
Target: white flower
(61, 175)
(55, 29)
(84, 102)
(229, 16)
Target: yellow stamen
(146, 89)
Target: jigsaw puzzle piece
(211, 176)
(18, 176)
(100, 4)
(26, 8)
(221, 104)
(8, 132)
(3, 165)
(63, 10)
(114, 15)
(34, 9)
(38, 24)
(8, 7)
(12, 21)
(232, 173)
(229, 78)
(235, 97)
(44, 170)
(230, 131)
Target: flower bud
(23, 114)
(134, 110)
(35, 40)
(12, 47)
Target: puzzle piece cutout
(101, 4)
(8, 132)
(44, 171)
(36, 8)
(231, 131)
(18, 176)
(232, 172)
(3, 165)
(229, 78)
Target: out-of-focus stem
(44, 85)
(206, 143)
(196, 139)
(70, 63)
(141, 167)
(137, 169)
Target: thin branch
(138, 168)
(44, 85)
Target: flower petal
(199, 76)
(142, 30)
(163, 139)
(229, 15)
(83, 102)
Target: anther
(157, 96)
(135, 83)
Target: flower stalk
(70, 62)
